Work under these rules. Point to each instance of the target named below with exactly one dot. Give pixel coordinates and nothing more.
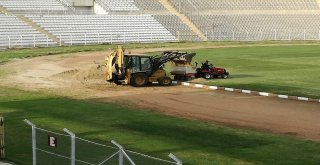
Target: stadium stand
(250, 4)
(176, 27)
(152, 5)
(19, 34)
(119, 5)
(275, 26)
(80, 29)
(33, 5)
(154, 21)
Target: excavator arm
(114, 63)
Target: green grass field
(292, 70)
(196, 143)
(282, 69)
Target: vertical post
(247, 36)
(34, 41)
(98, 38)
(60, 44)
(2, 151)
(261, 33)
(233, 37)
(275, 34)
(304, 34)
(177, 160)
(21, 40)
(71, 39)
(73, 146)
(289, 35)
(85, 39)
(47, 41)
(34, 142)
(111, 39)
(9, 39)
(122, 154)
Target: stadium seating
(151, 5)
(251, 4)
(119, 5)
(19, 34)
(33, 5)
(267, 27)
(176, 27)
(86, 29)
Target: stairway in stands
(183, 18)
(39, 29)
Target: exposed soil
(76, 76)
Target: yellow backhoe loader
(138, 70)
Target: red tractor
(208, 71)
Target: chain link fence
(52, 148)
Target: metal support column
(73, 146)
(34, 142)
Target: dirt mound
(90, 78)
(199, 80)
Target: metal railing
(67, 148)
(29, 41)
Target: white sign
(52, 141)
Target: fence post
(9, 39)
(60, 44)
(122, 153)
(98, 38)
(73, 146)
(85, 39)
(290, 35)
(71, 39)
(233, 37)
(275, 34)
(177, 160)
(34, 41)
(2, 152)
(304, 34)
(34, 142)
(47, 41)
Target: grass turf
(26, 53)
(148, 132)
(292, 70)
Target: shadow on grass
(181, 135)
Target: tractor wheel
(139, 80)
(207, 76)
(165, 81)
(224, 76)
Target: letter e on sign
(52, 141)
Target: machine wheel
(207, 76)
(139, 80)
(224, 76)
(165, 81)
